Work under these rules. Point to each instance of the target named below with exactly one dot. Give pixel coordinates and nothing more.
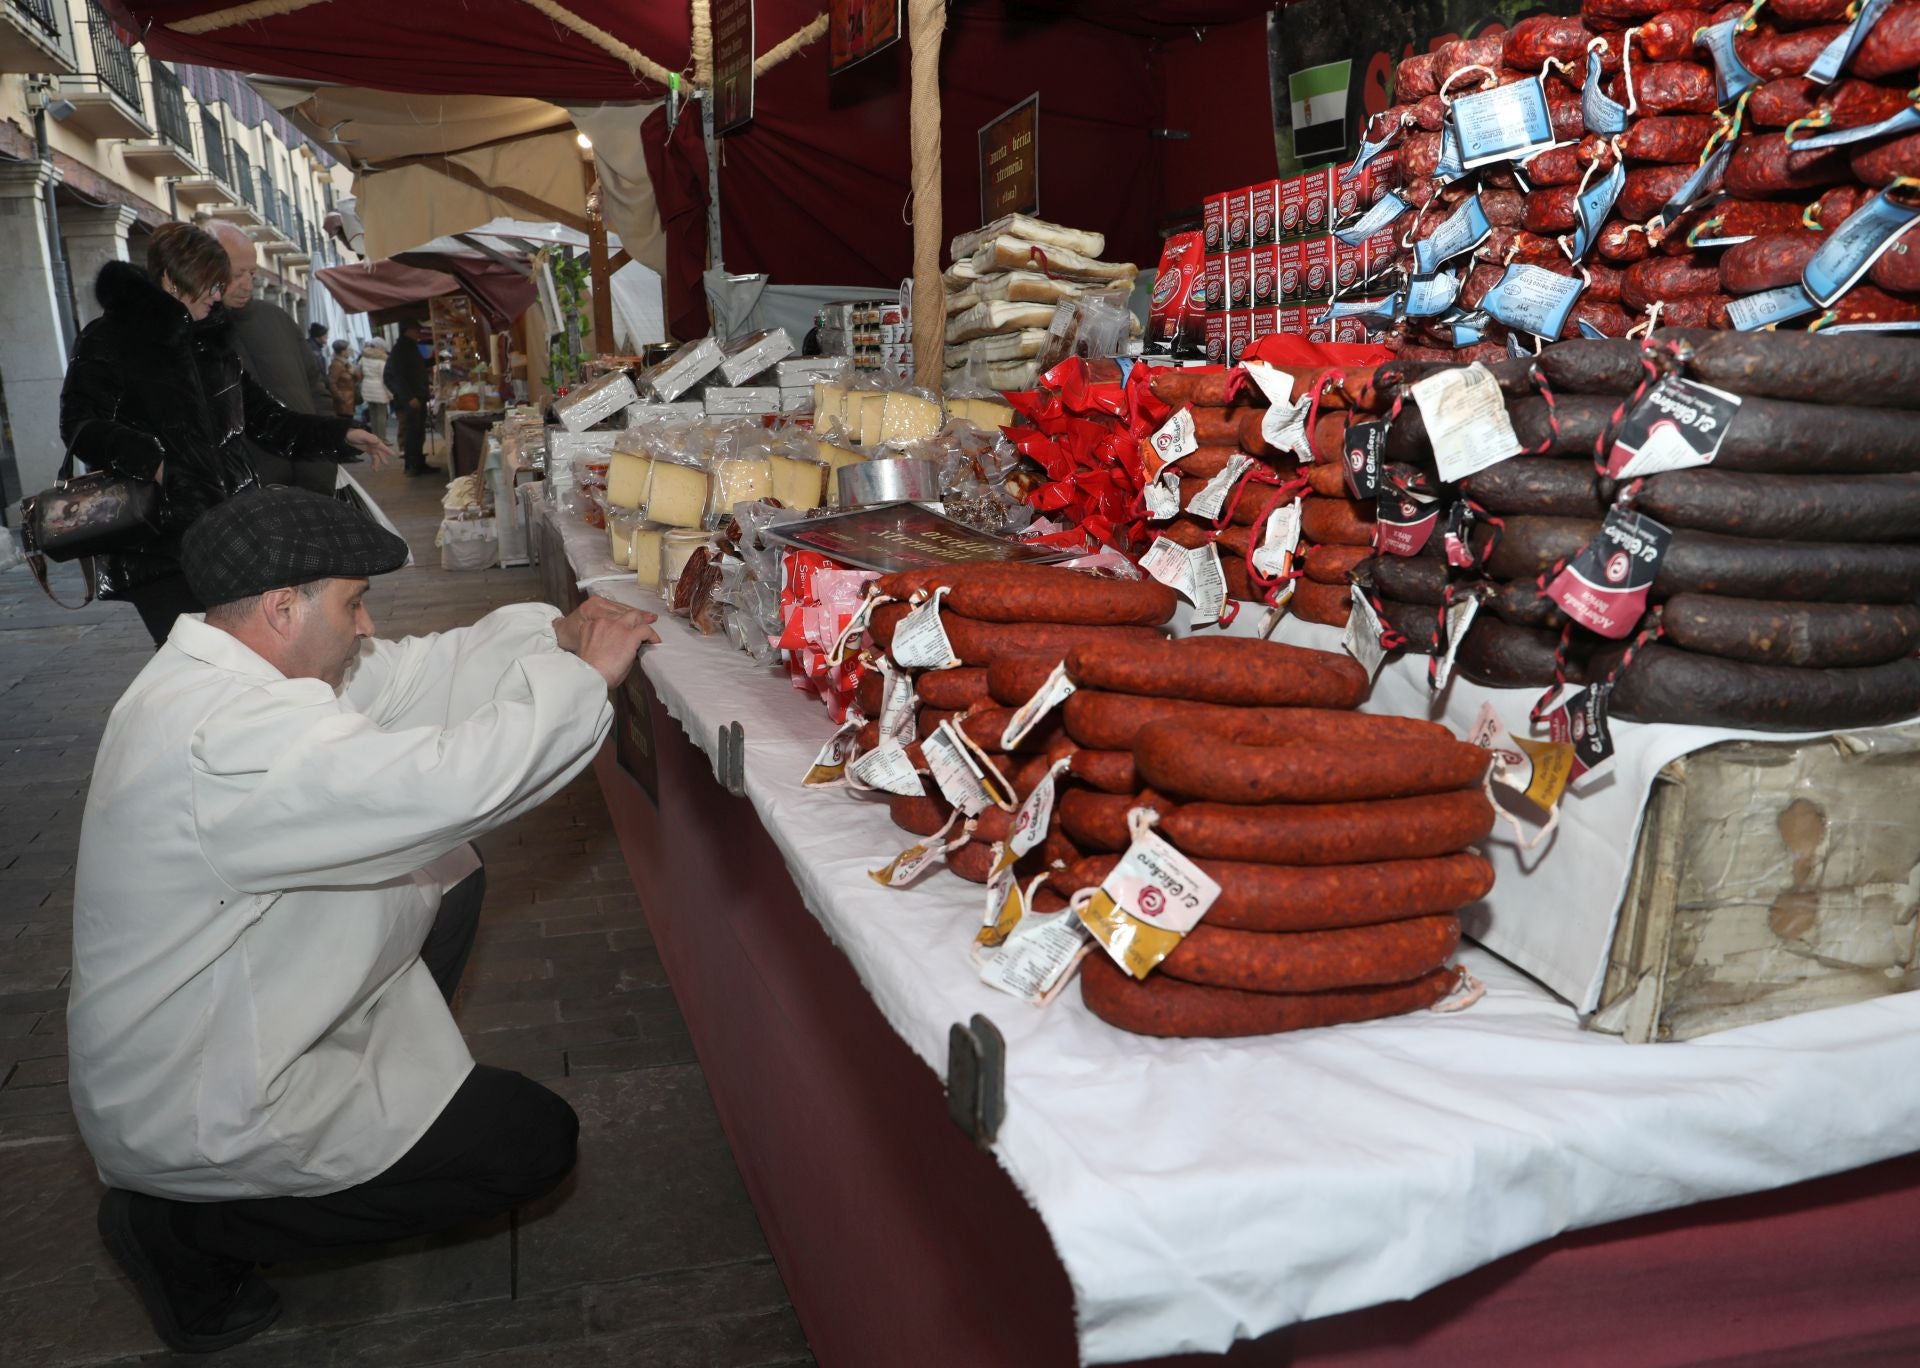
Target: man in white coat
(275, 898)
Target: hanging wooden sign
(856, 29)
(732, 65)
(1010, 162)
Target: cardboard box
(1315, 189)
(1349, 266)
(1239, 333)
(1316, 267)
(1240, 280)
(1266, 276)
(1216, 286)
(1216, 339)
(1290, 271)
(1265, 209)
(1350, 330)
(1240, 219)
(1213, 222)
(1293, 206)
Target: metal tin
(879, 482)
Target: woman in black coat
(156, 393)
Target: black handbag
(87, 516)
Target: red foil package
(1175, 317)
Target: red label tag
(1404, 523)
(1605, 588)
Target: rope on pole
(927, 22)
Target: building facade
(101, 144)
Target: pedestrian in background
(410, 383)
(343, 379)
(373, 385)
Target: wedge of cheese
(873, 404)
(677, 495)
(738, 480)
(799, 484)
(836, 457)
(628, 474)
(645, 555)
(908, 417)
(829, 404)
(987, 414)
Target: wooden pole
(601, 277)
(926, 22)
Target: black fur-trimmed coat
(147, 385)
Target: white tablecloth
(1202, 1191)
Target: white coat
(260, 861)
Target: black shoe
(413, 471)
(198, 1303)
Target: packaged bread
(1054, 235)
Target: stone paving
(650, 1254)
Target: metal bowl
(880, 482)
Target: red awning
(500, 292)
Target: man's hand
(606, 635)
(372, 447)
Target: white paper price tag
(1030, 823)
(1273, 382)
(1160, 886)
(830, 765)
(1163, 497)
(954, 771)
(1037, 956)
(1285, 427)
(1051, 694)
(1212, 499)
(896, 704)
(910, 863)
(920, 641)
(1279, 541)
(1362, 638)
(1174, 440)
(886, 767)
(1466, 421)
(1166, 561)
(1459, 617)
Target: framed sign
(905, 536)
(1010, 162)
(856, 29)
(732, 65)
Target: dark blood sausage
(922, 814)
(1666, 684)
(1199, 762)
(958, 688)
(1414, 621)
(1668, 88)
(1331, 833)
(1763, 166)
(1851, 103)
(1540, 485)
(1340, 522)
(1206, 387)
(1768, 435)
(1667, 138)
(992, 592)
(1892, 46)
(1327, 604)
(1531, 42)
(1668, 36)
(1766, 263)
(1839, 508)
(1164, 1006)
(1098, 821)
(1666, 279)
(1553, 209)
(1314, 961)
(1648, 189)
(1738, 567)
(1332, 564)
(1107, 771)
(1521, 603)
(1809, 635)
(1581, 420)
(1013, 679)
(1877, 164)
(1263, 897)
(1499, 655)
(1770, 55)
(978, 643)
(1776, 365)
(1409, 579)
(1110, 721)
(1236, 670)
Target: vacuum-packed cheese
(677, 494)
(983, 413)
(798, 484)
(873, 405)
(836, 457)
(627, 476)
(645, 555)
(908, 417)
(738, 480)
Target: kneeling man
(274, 901)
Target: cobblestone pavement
(650, 1254)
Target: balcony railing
(170, 108)
(113, 63)
(42, 13)
(243, 176)
(213, 140)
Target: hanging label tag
(1459, 536)
(1905, 325)
(1193, 574)
(1385, 309)
(1731, 79)
(1763, 310)
(1465, 229)
(1163, 496)
(1599, 111)
(1905, 121)
(1533, 299)
(1581, 722)
(1166, 561)
(886, 767)
(1153, 897)
(1605, 588)
(1386, 210)
(1460, 615)
(1279, 541)
(953, 769)
(1449, 168)
(1701, 186)
(1362, 451)
(1212, 498)
(1362, 637)
(912, 862)
(1855, 245)
(896, 704)
(830, 765)
(1834, 57)
(1588, 331)
(1466, 416)
(1593, 206)
(1430, 295)
(1536, 770)
(1285, 427)
(1052, 692)
(1403, 523)
(1039, 953)
(1502, 124)
(1174, 440)
(1676, 425)
(1369, 149)
(1005, 903)
(1469, 325)
(920, 641)
(1030, 823)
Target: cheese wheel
(835, 457)
(677, 494)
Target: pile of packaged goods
(1022, 294)
(1735, 168)
(875, 334)
(1333, 843)
(1274, 246)
(1718, 528)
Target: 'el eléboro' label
(1605, 588)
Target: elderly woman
(152, 394)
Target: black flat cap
(275, 536)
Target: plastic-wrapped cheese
(620, 525)
(676, 549)
(736, 480)
(835, 457)
(646, 555)
(829, 405)
(908, 417)
(798, 484)
(677, 494)
(627, 475)
(872, 406)
(983, 413)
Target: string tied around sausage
(1561, 648)
(1488, 72)
(1467, 990)
(857, 623)
(1652, 628)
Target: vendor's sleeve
(441, 679)
(293, 789)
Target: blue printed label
(1731, 79)
(1906, 119)
(1854, 246)
(1703, 183)
(1593, 206)
(1533, 299)
(1833, 59)
(1430, 295)
(1588, 331)
(1387, 209)
(1465, 229)
(1598, 110)
(1754, 311)
(1368, 151)
(1502, 124)
(1469, 325)
(1450, 168)
(1910, 325)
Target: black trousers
(502, 1140)
(413, 436)
(160, 602)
